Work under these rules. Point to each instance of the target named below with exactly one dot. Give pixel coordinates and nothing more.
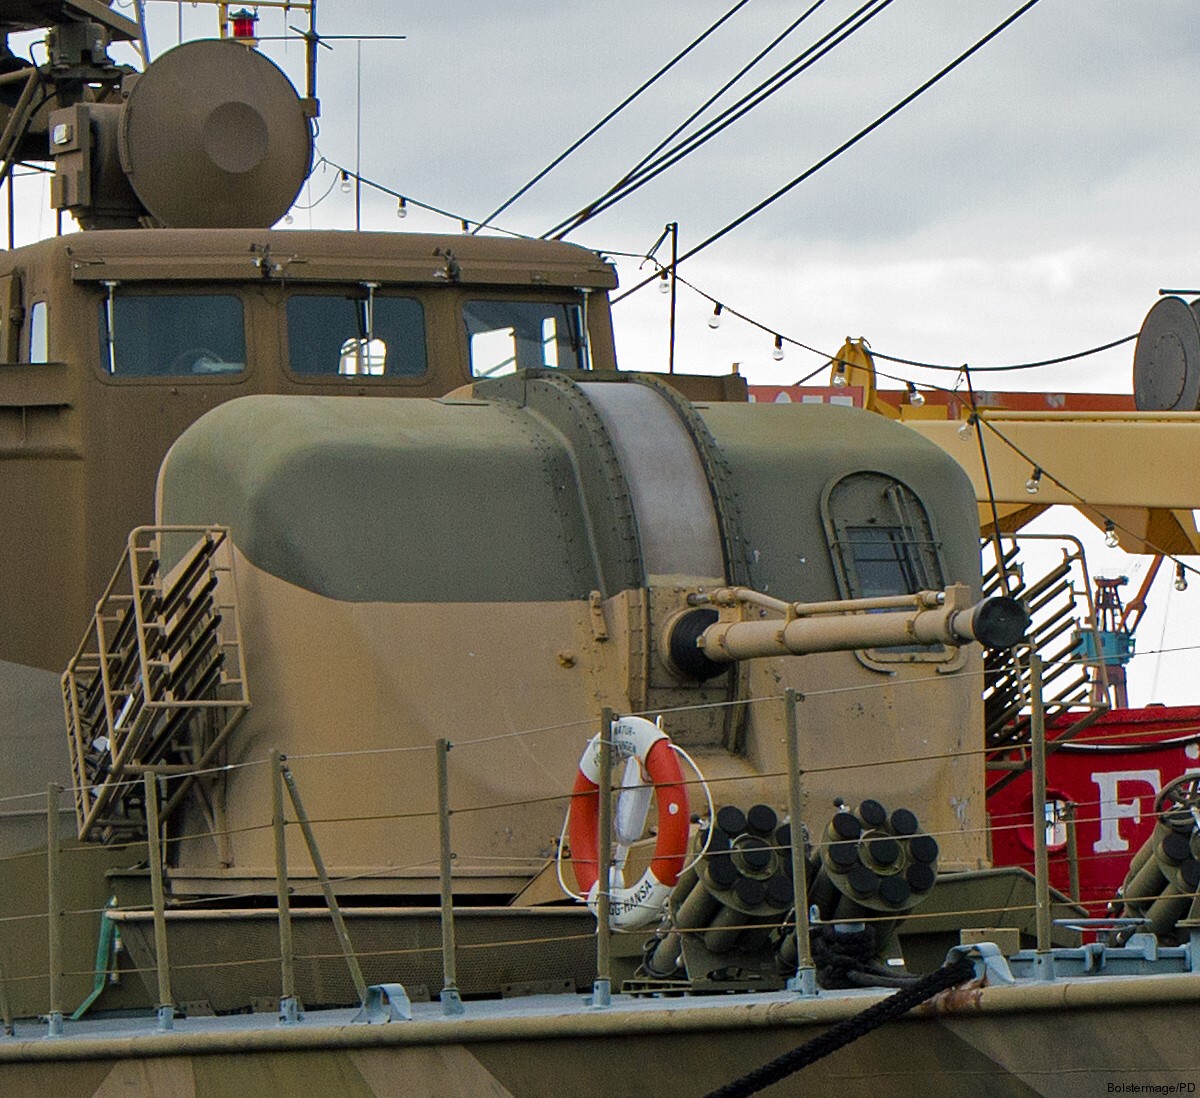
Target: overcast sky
(1030, 205)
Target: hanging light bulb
(1035, 481)
(777, 354)
(714, 321)
(402, 208)
(839, 376)
(968, 428)
(345, 182)
(664, 283)
(1180, 576)
(915, 397)
(1110, 534)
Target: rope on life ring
(641, 903)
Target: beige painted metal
(1067, 997)
(949, 621)
(1137, 468)
(323, 695)
(162, 959)
(804, 966)
(1040, 853)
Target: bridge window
(883, 543)
(171, 335)
(356, 335)
(505, 336)
(39, 332)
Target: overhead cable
(611, 115)
(649, 169)
(1014, 366)
(846, 145)
(348, 174)
(728, 310)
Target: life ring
(641, 903)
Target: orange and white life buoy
(641, 903)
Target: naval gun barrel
(701, 642)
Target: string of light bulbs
(721, 310)
(347, 177)
(1039, 472)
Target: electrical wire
(779, 38)
(350, 174)
(645, 172)
(845, 146)
(645, 85)
(1013, 366)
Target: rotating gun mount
(703, 641)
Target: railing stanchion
(54, 909)
(335, 912)
(805, 980)
(6, 1013)
(451, 1000)
(289, 1008)
(602, 989)
(166, 1003)
(1041, 857)
(1072, 849)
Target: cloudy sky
(1029, 205)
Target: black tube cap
(872, 813)
(721, 870)
(894, 891)
(731, 819)
(692, 661)
(754, 852)
(761, 819)
(863, 881)
(884, 851)
(904, 822)
(779, 890)
(920, 877)
(750, 891)
(843, 855)
(846, 826)
(1000, 622)
(923, 848)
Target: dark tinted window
(883, 543)
(504, 336)
(348, 335)
(172, 335)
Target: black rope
(850, 1030)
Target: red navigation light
(243, 23)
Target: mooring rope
(845, 1032)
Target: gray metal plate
(1166, 361)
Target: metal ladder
(159, 680)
